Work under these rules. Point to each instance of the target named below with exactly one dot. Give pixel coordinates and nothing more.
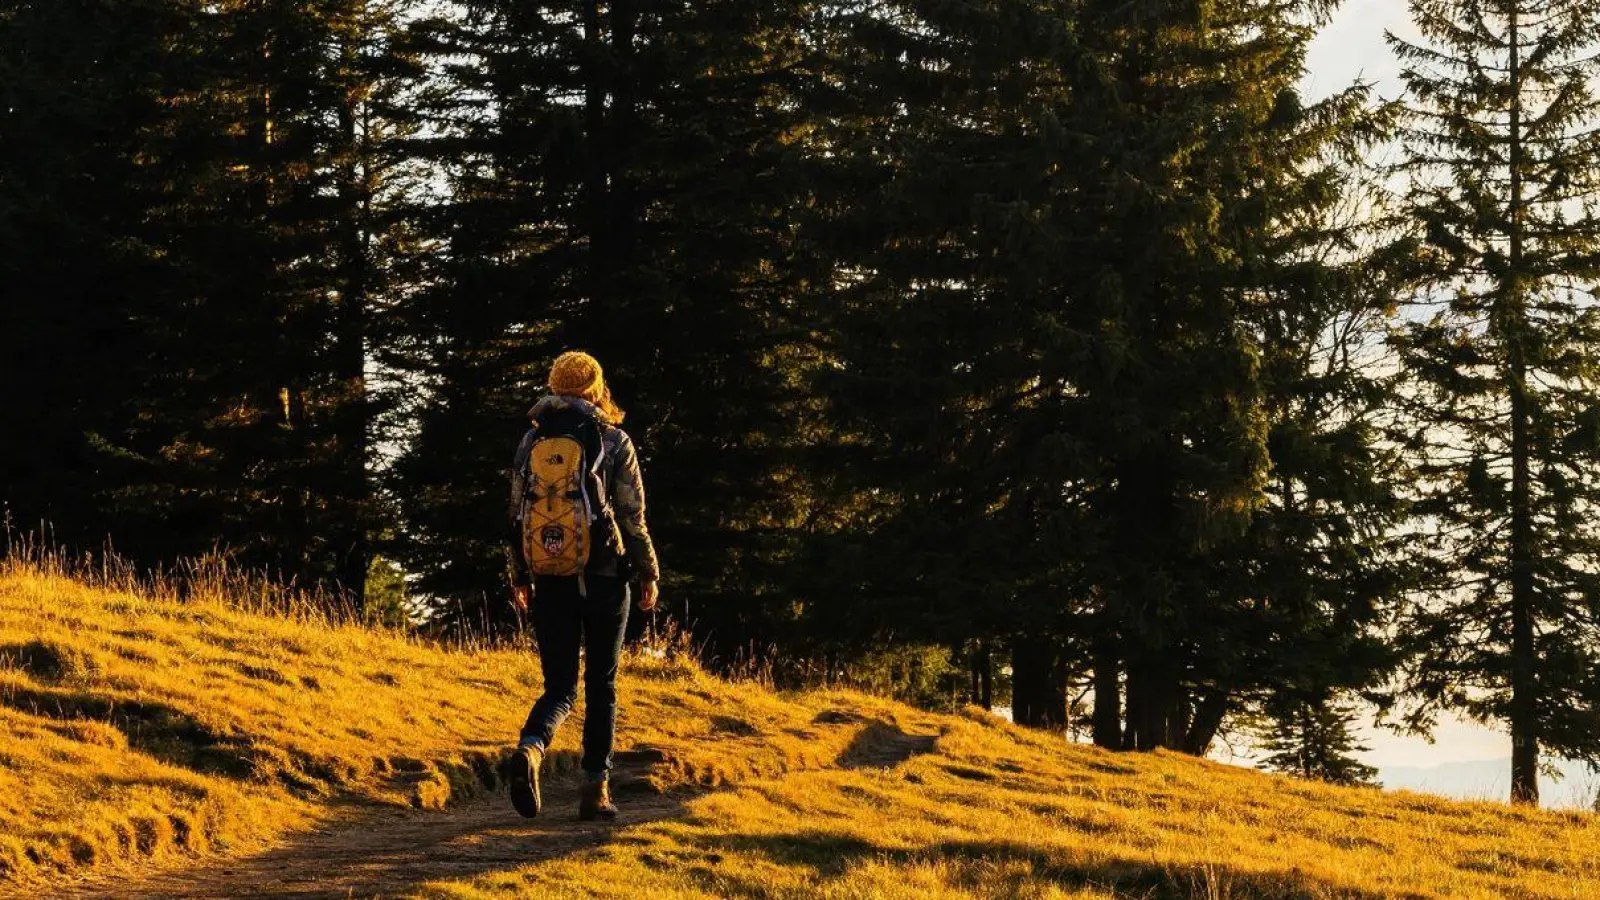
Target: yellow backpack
(566, 519)
(556, 514)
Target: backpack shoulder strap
(524, 449)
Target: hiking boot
(594, 801)
(524, 780)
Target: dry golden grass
(135, 726)
(139, 725)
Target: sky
(1352, 48)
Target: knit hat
(577, 374)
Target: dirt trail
(367, 849)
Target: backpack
(564, 507)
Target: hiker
(577, 501)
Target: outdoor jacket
(621, 481)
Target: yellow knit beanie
(577, 374)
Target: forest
(1060, 353)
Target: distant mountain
(1491, 780)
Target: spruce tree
(1215, 179)
(263, 444)
(222, 266)
(491, 278)
(87, 122)
(1325, 560)
(1501, 153)
(1079, 307)
(949, 156)
(623, 178)
(1310, 736)
(697, 176)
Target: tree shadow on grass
(833, 855)
(159, 730)
(881, 746)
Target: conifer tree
(949, 156)
(1501, 154)
(1325, 560)
(263, 445)
(1311, 737)
(623, 179)
(694, 280)
(503, 141)
(1079, 308)
(229, 242)
(1215, 180)
(80, 92)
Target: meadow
(151, 737)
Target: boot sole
(524, 786)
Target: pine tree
(1078, 308)
(1325, 560)
(949, 158)
(492, 276)
(263, 442)
(1311, 737)
(230, 238)
(1217, 178)
(694, 281)
(83, 91)
(623, 179)
(1500, 151)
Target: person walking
(577, 504)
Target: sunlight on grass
(993, 813)
(138, 728)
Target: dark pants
(563, 621)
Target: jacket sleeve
(519, 485)
(627, 502)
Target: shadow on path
(368, 849)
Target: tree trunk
(1524, 684)
(1180, 716)
(1158, 714)
(986, 678)
(1038, 690)
(354, 278)
(972, 671)
(1208, 717)
(1107, 727)
(981, 662)
(1146, 721)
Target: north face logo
(554, 538)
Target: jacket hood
(555, 402)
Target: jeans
(564, 621)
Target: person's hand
(649, 595)
(521, 596)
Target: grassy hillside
(141, 733)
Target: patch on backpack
(554, 539)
